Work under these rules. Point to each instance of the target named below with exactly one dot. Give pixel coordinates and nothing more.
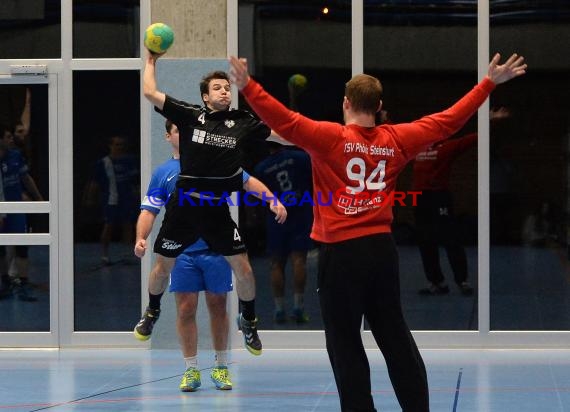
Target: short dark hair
(364, 93)
(3, 129)
(168, 125)
(205, 82)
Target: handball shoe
(250, 336)
(279, 316)
(143, 329)
(300, 316)
(435, 289)
(221, 378)
(190, 380)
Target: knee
(162, 268)
(243, 269)
(217, 306)
(186, 311)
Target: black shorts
(188, 219)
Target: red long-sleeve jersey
(355, 168)
(432, 166)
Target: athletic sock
(191, 362)
(248, 309)
(221, 358)
(154, 301)
(298, 301)
(279, 304)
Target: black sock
(248, 309)
(23, 281)
(154, 301)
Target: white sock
(191, 362)
(279, 303)
(299, 302)
(221, 358)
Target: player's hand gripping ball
(297, 82)
(158, 37)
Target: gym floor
(279, 380)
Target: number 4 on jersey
(236, 235)
(375, 181)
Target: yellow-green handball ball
(158, 37)
(298, 82)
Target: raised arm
(313, 136)
(150, 90)
(26, 117)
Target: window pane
(106, 163)
(529, 176)
(24, 288)
(24, 120)
(106, 29)
(33, 28)
(281, 39)
(407, 46)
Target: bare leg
(278, 276)
(186, 306)
(106, 235)
(245, 282)
(219, 322)
(159, 275)
(299, 260)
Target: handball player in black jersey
(213, 139)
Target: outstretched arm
(150, 90)
(313, 136)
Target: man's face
(8, 139)
(219, 96)
(19, 133)
(118, 146)
(173, 136)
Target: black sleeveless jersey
(212, 144)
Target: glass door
(28, 212)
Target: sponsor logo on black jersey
(211, 139)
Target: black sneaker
(143, 330)
(435, 289)
(250, 336)
(466, 289)
(24, 293)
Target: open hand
(239, 74)
(512, 68)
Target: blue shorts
(15, 223)
(291, 236)
(203, 270)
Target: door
(28, 211)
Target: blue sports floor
(147, 380)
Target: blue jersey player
(15, 179)
(287, 173)
(196, 269)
